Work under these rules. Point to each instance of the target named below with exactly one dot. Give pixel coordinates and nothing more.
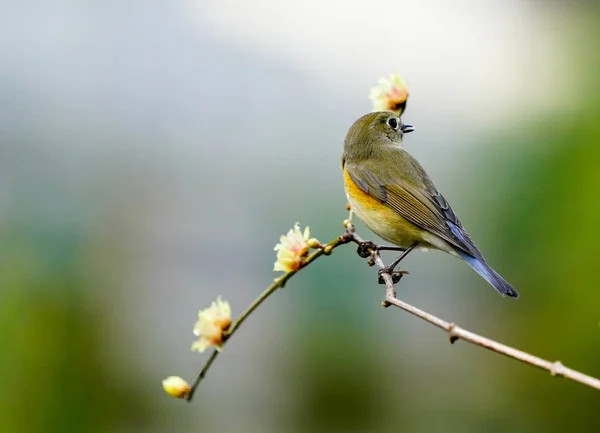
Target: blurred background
(152, 153)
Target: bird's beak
(406, 128)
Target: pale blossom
(390, 94)
(211, 324)
(292, 249)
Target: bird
(394, 196)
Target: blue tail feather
(482, 268)
(476, 261)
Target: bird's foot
(396, 275)
(366, 248)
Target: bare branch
(457, 333)
(454, 332)
(278, 283)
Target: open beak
(406, 128)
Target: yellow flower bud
(314, 243)
(176, 387)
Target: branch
(278, 283)
(455, 332)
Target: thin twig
(457, 333)
(278, 283)
(454, 331)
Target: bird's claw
(366, 248)
(396, 275)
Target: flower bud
(176, 387)
(314, 243)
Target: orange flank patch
(358, 194)
(383, 220)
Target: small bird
(389, 190)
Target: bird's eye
(393, 122)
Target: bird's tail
(482, 268)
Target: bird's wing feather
(419, 202)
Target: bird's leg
(391, 266)
(396, 275)
(366, 248)
(389, 248)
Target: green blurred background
(152, 152)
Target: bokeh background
(152, 152)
